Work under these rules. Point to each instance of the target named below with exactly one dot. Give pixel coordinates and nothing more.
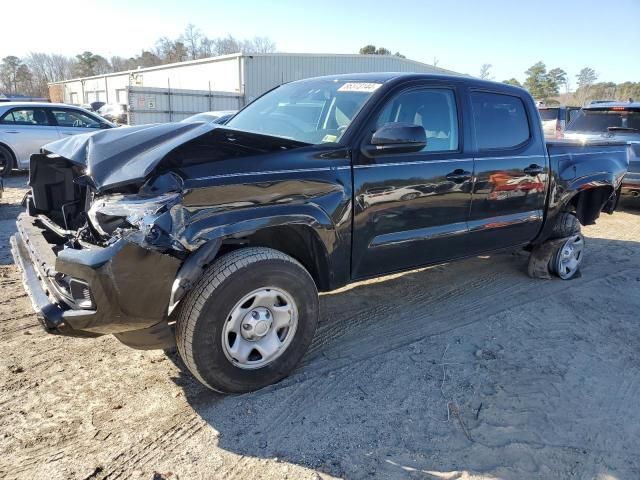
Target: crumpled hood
(127, 154)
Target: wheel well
(588, 204)
(297, 241)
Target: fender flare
(209, 234)
(565, 192)
(206, 226)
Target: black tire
(566, 225)
(204, 311)
(6, 161)
(543, 257)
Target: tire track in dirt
(422, 288)
(37, 456)
(361, 349)
(348, 344)
(147, 451)
(547, 388)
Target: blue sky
(462, 35)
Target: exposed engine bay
(64, 200)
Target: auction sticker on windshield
(359, 87)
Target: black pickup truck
(218, 238)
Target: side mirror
(397, 138)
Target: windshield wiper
(623, 129)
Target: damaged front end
(109, 243)
(99, 263)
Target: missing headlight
(117, 211)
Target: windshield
(548, 114)
(312, 111)
(601, 121)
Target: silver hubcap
(259, 328)
(569, 257)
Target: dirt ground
(467, 370)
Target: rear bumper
(130, 287)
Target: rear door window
(25, 117)
(500, 120)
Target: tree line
(547, 86)
(30, 74)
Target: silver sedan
(26, 126)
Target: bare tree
(171, 51)
(40, 66)
(192, 36)
(45, 68)
(227, 45)
(206, 47)
(61, 67)
(259, 45)
(119, 64)
(485, 71)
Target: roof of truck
(384, 77)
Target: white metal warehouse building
(174, 91)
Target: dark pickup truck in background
(612, 121)
(218, 238)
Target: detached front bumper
(129, 286)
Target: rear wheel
(568, 257)
(6, 161)
(562, 253)
(248, 321)
(566, 225)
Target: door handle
(68, 134)
(10, 131)
(458, 176)
(533, 170)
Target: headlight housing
(111, 212)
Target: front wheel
(249, 320)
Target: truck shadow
(630, 204)
(372, 397)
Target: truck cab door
(511, 172)
(411, 209)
